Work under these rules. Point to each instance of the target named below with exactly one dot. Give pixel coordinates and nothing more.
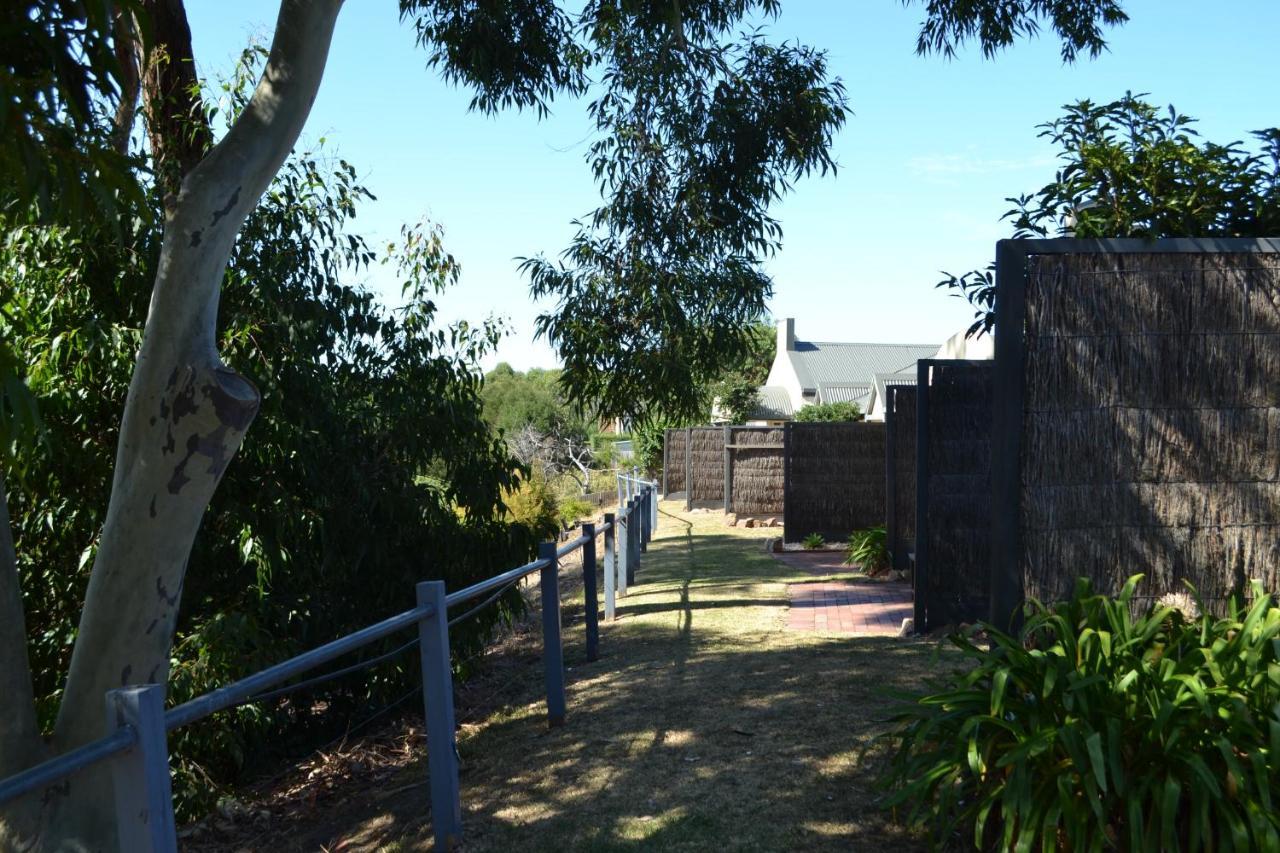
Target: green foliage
(571, 510)
(1092, 729)
(699, 132)
(1132, 169)
(649, 439)
(513, 400)
(737, 389)
(58, 83)
(1135, 170)
(869, 549)
(829, 412)
(533, 506)
(996, 24)
(738, 398)
(814, 541)
(369, 467)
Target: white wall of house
(975, 349)
(783, 372)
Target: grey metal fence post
(688, 469)
(552, 651)
(621, 485)
(642, 504)
(633, 541)
(589, 591)
(143, 795)
(610, 565)
(437, 699)
(622, 550)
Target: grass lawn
(705, 725)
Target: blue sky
(927, 158)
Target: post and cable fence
(137, 746)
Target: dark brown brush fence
(835, 481)
(706, 466)
(900, 448)
(1142, 416)
(673, 461)
(953, 492)
(755, 470)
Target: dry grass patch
(705, 725)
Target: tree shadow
(688, 734)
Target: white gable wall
(783, 372)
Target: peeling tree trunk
(185, 417)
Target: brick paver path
(876, 608)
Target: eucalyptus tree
(699, 131)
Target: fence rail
(136, 745)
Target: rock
(750, 522)
(772, 522)
(908, 627)
(731, 520)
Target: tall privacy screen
(953, 492)
(1137, 417)
(900, 473)
(834, 479)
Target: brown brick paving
(876, 608)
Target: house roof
(820, 364)
(876, 399)
(844, 392)
(773, 403)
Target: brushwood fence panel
(706, 466)
(755, 470)
(1142, 414)
(900, 449)
(674, 474)
(737, 467)
(953, 491)
(835, 479)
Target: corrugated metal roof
(844, 392)
(773, 403)
(818, 363)
(876, 400)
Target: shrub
(814, 541)
(869, 549)
(532, 505)
(829, 412)
(1092, 730)
(573, 509)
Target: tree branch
(171, 102)
(127, 50)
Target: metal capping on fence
(139, 723)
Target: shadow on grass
(703, 726)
